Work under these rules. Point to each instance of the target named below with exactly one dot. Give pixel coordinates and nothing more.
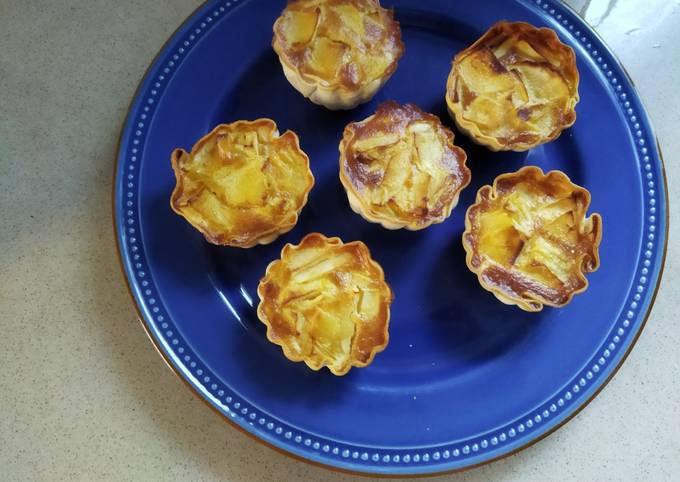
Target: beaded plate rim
(515, 435)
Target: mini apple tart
(400, 167)
(338, 53)
(326, 303)
(242, 184)
(529, 241)
(514, 88)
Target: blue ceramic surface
(464, 379)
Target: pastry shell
(514, 88)
(326, 303)
(337, 53)
(528, 240)
(242, 184)
(400, 167)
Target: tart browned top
(340, 43)
(242, 184)
(528, 239)
(326, 303)
(400, 167)
(514, 88)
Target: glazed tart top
(326, 303)
(241, 183)
(402, 166)
(340, 43)
(514, 88)
(528, 238)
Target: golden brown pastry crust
(338, 53)
(529, 241)
(514, 88)
(242, 184)
(400, 167)
(326, 303)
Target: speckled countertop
(83, 393)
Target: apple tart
(528, 239)
(338, 53)
(514, 88)
(326, 303)
(242, 184)
(400, 167)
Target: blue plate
(465, 379)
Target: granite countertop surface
(85, 396)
